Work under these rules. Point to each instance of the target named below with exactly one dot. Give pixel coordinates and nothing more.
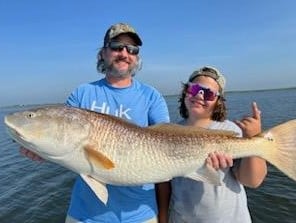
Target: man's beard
(114, 72)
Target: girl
(202, 104)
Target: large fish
(107, 150)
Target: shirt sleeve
(73, 99)
(158, 112)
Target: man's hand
(33, 156)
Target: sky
(48, 47)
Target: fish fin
(97, 158)
(206, 174)
(189, 130)
(97, 187)
(281, 152)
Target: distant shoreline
(268, 89)
(242, 91)
(168, 95)
(30, 105)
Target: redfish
(108, 150)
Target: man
(121, 95)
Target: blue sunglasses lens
(208, 94)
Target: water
(31, 192)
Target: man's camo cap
(121, 28)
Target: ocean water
(32, 192)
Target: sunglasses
(208, 94)
(118, 47)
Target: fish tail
(283, 152)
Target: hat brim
(135, 37)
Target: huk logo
(104, 108)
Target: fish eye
(31, 115)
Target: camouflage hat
(210, 72)
(121, 28)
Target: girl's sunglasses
(118, 47)
(208, 94)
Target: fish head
(51, 131)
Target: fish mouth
(13, 132)
(18, 138)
